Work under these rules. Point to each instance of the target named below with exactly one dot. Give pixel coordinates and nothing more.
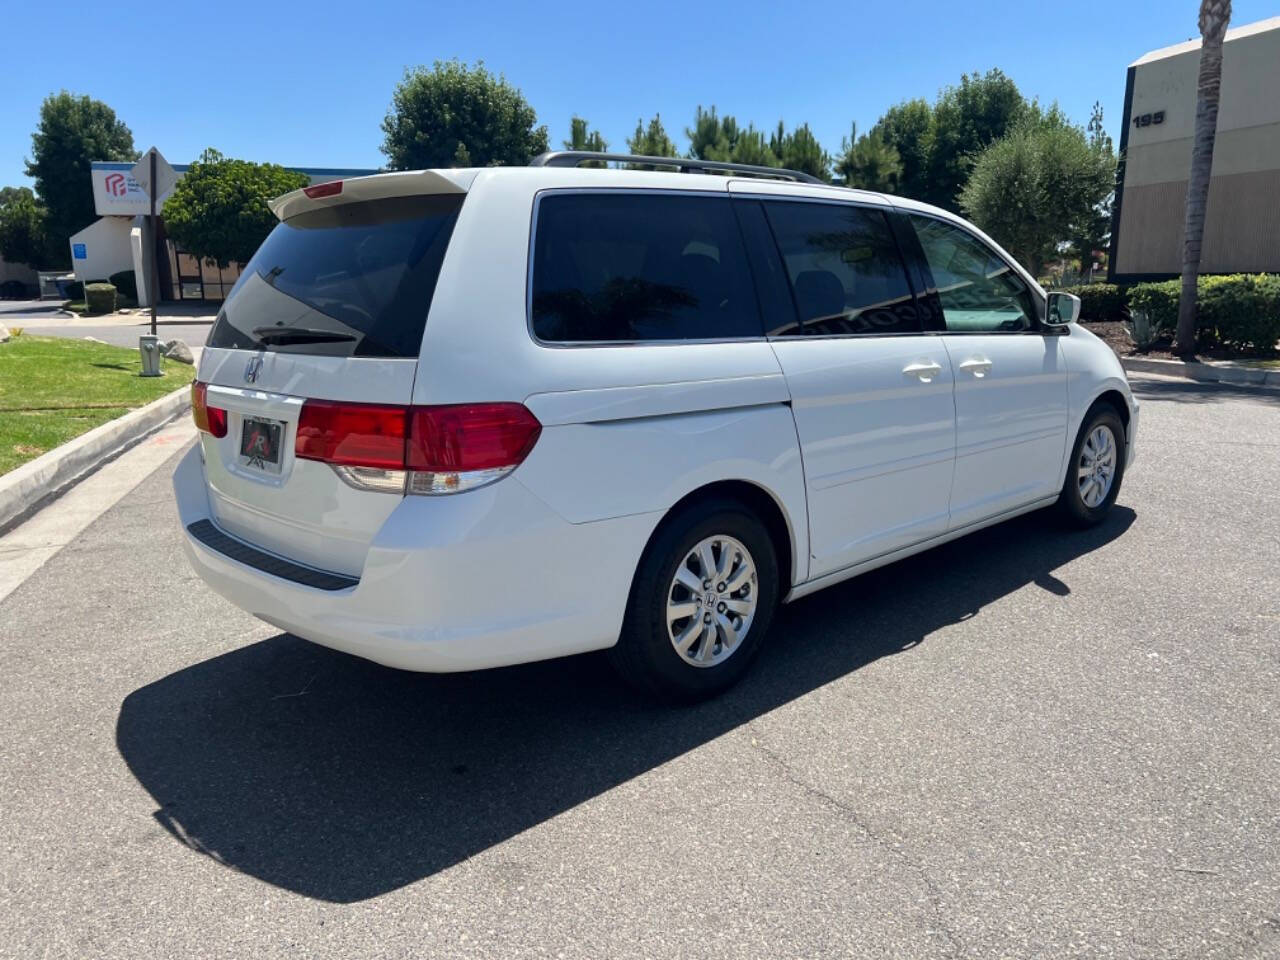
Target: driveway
(44, 318)
(1027, 743)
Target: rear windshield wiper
(287, 335)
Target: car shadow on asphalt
(1186, 391)
(342, 780)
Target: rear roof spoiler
(375, 187)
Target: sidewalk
(168, 313)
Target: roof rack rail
(571, 158)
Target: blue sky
(308, 84)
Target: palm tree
(1214, 17)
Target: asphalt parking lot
(1026, 743)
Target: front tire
(703, 598)
(1096, 468)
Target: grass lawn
(53, 389)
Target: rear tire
(1095, 469)
(688, 636)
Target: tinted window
(625, 267)
(364, 272)
(845, 270)
(978, 290)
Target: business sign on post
(117, 192)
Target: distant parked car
(457, 419)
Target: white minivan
(457, 419)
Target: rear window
(616, 267)
(353, 280)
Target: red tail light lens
(444, 449)
(352, 434)
(330, 189)
(212, 420)
(466, 437)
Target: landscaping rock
(4, 333)
(177, 350)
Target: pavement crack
(892, 847)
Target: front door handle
(978, 366)
(925, 370)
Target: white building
(115, 242)
(1242, 226)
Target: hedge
(1100, 301)
(127, 283)
(1238, 310)
(75, 290)
(100, 297)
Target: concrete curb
(25, 489)
(1204, 372)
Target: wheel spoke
(740, 607)
(688, 579)
(740, 576)
(678, 611)
(729, 630)
(726, 562)
(688, 636)
(708, 642)
(707, 559)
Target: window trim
(885, 210)
(637, 191)
(1038, 327)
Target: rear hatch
(332, 307)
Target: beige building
(1242, 229)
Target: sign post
(156, 178)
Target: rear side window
(616, 267)
(978, 290)
(845, 270)
(352, 280)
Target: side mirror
(1062, 309)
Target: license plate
(260, 444)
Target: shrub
(1242, 310)
(1159, 301)
(126, 282)
(1100, 301)
(100, 297)
(75, 290)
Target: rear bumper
(465, 582)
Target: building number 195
(1147, 119)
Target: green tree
(457, 115)
(1094, 230)
(966, 119)
(581, 137)
(650, 141)
(218, 211)
(907, 127)
(72, 133)
(800, 150)
(714, 138)
(868, 162)
(1214, 17)
(1034, 188)
(23, 238)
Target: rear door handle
(926, 371)
(978, 366)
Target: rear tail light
(421, 450)
(212, 420)
(352, 434)
(330, 189)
